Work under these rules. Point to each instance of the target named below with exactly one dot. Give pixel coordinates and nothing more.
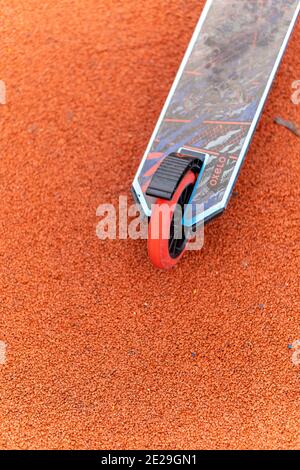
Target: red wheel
(164, 248)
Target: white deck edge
(135, 184)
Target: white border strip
(221, 205)
(196, 33)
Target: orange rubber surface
(99, 349)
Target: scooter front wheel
(167, 240)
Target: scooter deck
(218, 95)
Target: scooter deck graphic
(218, 95)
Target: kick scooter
(206, 125)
